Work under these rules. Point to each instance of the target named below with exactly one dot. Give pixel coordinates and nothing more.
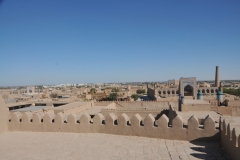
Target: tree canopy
(235, 92)
(140, 91)
(92, 90)
(54, 95)
(115, 90)
(135, 97)
(113, 96)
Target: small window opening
(103, 122)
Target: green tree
(54, 95)
(115, 90)
(92, 90)
(135, 97)
(235, 92)
(113, 96)
(140, 91)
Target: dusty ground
(31, 145)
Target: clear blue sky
(92, 41)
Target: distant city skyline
(55, 42)
(212, 81)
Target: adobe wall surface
(234, 103)
(143, 112)
(146, 104)
(213, 102)
(226, 111)
(236, 111)
(229, 111)
(4, 113)
(111, 105)
(75, 107)
(196, 107)
(122, 125)
(171, 114)
(164, 104)
(151, 93)
(230, 139)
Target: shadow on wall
(230, 137)
(205, 140)
(163, 112)
(207, 150)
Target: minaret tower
(217, 81)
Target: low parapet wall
(226, 111)
(130, 112)
(144, 104)
(3, 116)
(229, 110)
(236, 111)
(73, 107)
(171, 114)
(230, 139)
(111, 124)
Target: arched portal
(184, 88)
(207, 90)
(188, 90)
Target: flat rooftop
(92, 111)
(75, 146)
(192, 101)
(31, 108)
(17, 104)
(199, 114)
(74, 104)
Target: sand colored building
(188, 118)
(186, 87)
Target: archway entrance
(188, 86)
(188, 90)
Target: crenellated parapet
(111, 124)
(127, 101)
(4, 112)
(230, 140)
(134, 109)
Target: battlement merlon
(111, 124)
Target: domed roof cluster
(204, 84)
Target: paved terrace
(61, 146)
